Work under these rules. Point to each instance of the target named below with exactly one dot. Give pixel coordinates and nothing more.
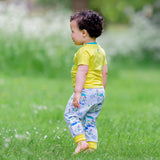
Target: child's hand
(76, 99)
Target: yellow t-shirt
(93, 55)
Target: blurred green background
(36, 56)
(35, 34)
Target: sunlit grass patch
(33, 127)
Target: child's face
(77, 34)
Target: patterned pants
(82, 120)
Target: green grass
(35, 57)
(33, 127)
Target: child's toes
(81, 147)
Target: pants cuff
(92, 145)
(79, 138)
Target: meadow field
(33, 127)
(36, 54)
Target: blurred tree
(55, 3)
(114, 11)
(156, 13)
(78, 5)
(30, 4)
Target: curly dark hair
(90, 21)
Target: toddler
(89, 76)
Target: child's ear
(84, 32)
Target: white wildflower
(45, 107)
(27, 133)
(6, 145)
(45, 136)
(7, 140)
(50, 121)
(40, 107)
(1, 81)
(4, 106)
(35, 111)
(18, 136)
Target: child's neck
(89, 40)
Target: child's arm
(80, 81)
(104, 75)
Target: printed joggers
(82, 121)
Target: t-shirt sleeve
(105, 61)
(83, 58)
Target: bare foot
(81, 146)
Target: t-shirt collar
(91, 43)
